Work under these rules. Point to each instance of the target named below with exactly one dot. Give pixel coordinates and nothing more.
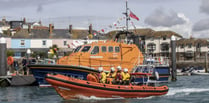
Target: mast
(127, 18)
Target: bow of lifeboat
(106, 54)
(71, 88)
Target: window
(104, 49)
(164, 38)
(77, 49)
(110, 49)
(198, 45)
(22, 42)
(44, 42)
(65, 43)
(182, 46)
(95, 50)
(151, 47)
(86, 49)
(117, 49)
(165, 47)
(17, 54)
(189, 45)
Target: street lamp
(173, 57)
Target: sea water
(187, 89)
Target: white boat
(199, 71)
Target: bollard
(3, 60)
(173, 58)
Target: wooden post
(173, 57)
(3, 60)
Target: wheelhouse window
(117, 49)
(110, 49)
(22, 42)
(95, 50)
(104, 49)
(77, 49)
(85, 48)
(44, 42)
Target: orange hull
(70, 88)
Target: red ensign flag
(132, 15)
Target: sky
(186, 17)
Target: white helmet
(125, 70)
(100, 69)
(119, 67)
(112, 69)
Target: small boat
(72, 88)
(199, 71)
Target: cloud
(204, 7)
(201, 25)
(200, 34)
(184, 30)
(160, 18)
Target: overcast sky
(186, 17)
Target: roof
(147, 32)
(2, 35)
(193, 41)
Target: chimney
(51, 27)
(90, 29)
(24, 21)
(29, 28)
(70, 29)
(4, 20)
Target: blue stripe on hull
(40, 74)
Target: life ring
(10, 60)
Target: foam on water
(146, 97)
(185, 91)
(96, 98)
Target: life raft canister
(92, 77)
(10, 60)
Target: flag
(132, 15)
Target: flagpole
(127, 18)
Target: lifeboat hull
(71, 88)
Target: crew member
(119, 75)
(126, 76)
(102, 75)
(111, 75)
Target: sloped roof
(193, 41)
(147, 32)
(2, 35)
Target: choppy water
(187, 89)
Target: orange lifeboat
(104, 54)
(71, 88)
